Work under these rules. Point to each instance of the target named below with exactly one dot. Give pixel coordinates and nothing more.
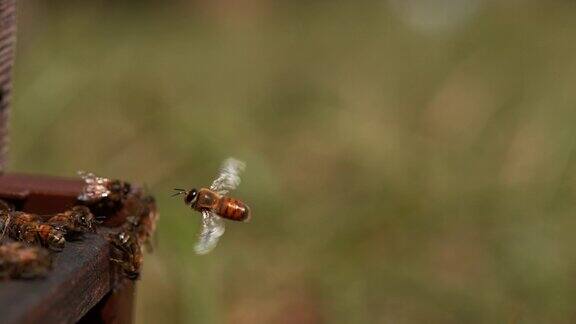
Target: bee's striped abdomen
(232, 209)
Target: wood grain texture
(116, 307)
(79, 280)
(7, 50)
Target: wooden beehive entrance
(86, 282)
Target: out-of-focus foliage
(407, 163)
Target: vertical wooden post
(7, 49)
(117, 307)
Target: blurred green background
(408, 161)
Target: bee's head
(56, 241)
(123, 238)
(190, 196)
(84, 218)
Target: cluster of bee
(29, 229)
(27, 241)
(52, 233)
(28, 256)
(136, 209)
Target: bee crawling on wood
(97, 188)
(28, 228)
(142, 219)
(214, 205)
(18, 260)
(135, 233)
(103, 194)
(146, 226)
(75, 221)
(127, 253)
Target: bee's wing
(229, 176)
(95, 187)
(212, 229)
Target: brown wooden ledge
(82, 285)
(78, 281)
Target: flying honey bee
(28, 228)
(18, 260)
(214, 205)
(75, 221)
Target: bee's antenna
(179, 192)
